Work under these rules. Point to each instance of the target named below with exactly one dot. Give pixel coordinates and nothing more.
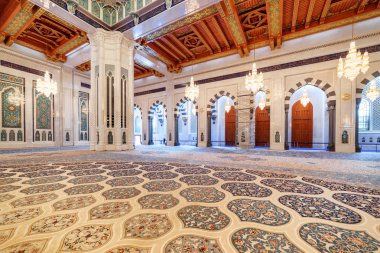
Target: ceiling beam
(167, 50)
(220, 31)
(179, 43)
(10, 11)
(362, 5)
(203, 39)
(325, 10)
(210, 35)
(295, 14)
(227, 10)
(275, 15)
(161, 53)
(173, 47)
(309, 13)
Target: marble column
(176, 132)
(150, 130)
(244, 122)
(111, 98)
(357, 147)
(209, 114)
(286, 141)
(332, 115)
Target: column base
(331, 148)
(176, 144)
(358, 149)
(286, 147)
(150, 143)
(100, 147)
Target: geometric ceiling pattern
(238, 26)
(29, 25)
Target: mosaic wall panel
(43, 108)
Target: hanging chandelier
(192, 90)
(47, 86)
(254, 81)
(373, 92)
(16, 98)
(227, 106)
(191, 5)
(305, 99)
(262, 103)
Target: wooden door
(262, 126)
(230, 127)
(302, 125)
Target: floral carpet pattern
(177, 207)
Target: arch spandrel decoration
(181, 102)
(360, 86)
(153, 107)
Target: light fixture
(354, 63)
(46, 3)
(16, 98)
(262, 103)
(192, 90)
(227, 106)
(47, 86)
(254, 81)
(373, 92)
(72, 6)
(191, 5)
(305, 99)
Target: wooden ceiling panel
(342, 5)
(288, 14)
(302, 11)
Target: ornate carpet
(152, 207)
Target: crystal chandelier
(254, 81)
(354, 63)
(191, 5)
(262, 103)
(192, 90)
(47, 86)
(16, 98)
(305, 99)
(373, 92)
(227, 106)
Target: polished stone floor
(184, 199)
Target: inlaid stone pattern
(256, 240)
(34, 199)
(124, 173)
(36, 246)
(84, 189)
(192, 170)
(330, 239)
(335, 186)
(367, 204)
(53, 223)
(110, 210)
(193, 243)
(320, 208)
(80, 167)
(74, 203)
(121, 193)
(19, 216)
(246, 189)
(45, 180)
(202, 194)
(43, 173)
(88, 237)
(9, 188)
(203, 217)
(158, 201)
(128, 249)
(160, 175)
(269, 174)
(156, 167)
(147, 226)
(43, 188)
(199, 180)
(259, 211)
(125, 181)
(87, 179)
(234, 176)
(120, 166)
(162, 186)
(295, 186)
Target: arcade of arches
(103, 148)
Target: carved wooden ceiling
(238, 26)
(29, 25)
(140, 70)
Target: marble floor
(186, 199)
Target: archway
(223, 126)
(309, 125)
(157, 124)
(368, 120)
(137, 119)
(262, 122)
(186, 129)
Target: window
(364, 115)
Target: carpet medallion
(158, 201)
(110, 210)
(162, 186)
(202, 194)
(53, 223)
(203, 217)
(246, 189)
(147, 226)
(193, 243)
(121, 193)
